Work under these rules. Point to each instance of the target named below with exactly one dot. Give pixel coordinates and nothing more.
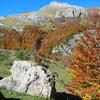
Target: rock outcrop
(65, 46)
(28, 77)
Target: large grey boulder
(28, 77)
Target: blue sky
(8, 7)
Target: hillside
(59, 20)
(62, 37)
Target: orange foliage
(54, 36)
(86, 60)
(37, 40)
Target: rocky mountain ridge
(45, 14)
(55, 7)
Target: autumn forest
(84, 66)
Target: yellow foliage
(86, 97)
(71, 73)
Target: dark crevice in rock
(1, 78)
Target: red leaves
(87, 90)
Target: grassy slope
(6, 59)
(60, 69)
(13, 22)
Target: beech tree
(85, 67)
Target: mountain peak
(59, 4)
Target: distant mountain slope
(44, 15)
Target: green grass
(5, 27)
(20, 96)
(60, 69)
(46, 26)
(8, 56)
(50, 11)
